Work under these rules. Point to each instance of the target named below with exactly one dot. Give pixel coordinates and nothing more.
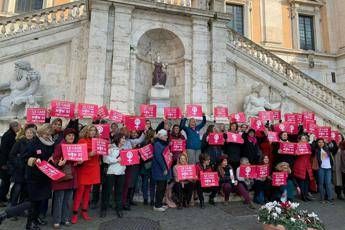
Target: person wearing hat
(160, 170)
(63, 188)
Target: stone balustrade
(43, 19)
(310, 87)
(185, 3)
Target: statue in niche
(256, 102)
(19, 93)
(159, 75)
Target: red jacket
(88, 172)
(302, 166)
(67, 184)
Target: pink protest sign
(209, 179)
(194, 111)
(62, 109)
(36, 115)
(186, 172)
(146, 152)
(215, 139)
(220, 112)
(256, 124)
(323, 132)
(177, 145)
(310, 126)
(277, 115)
(148, 111)
(100, 146)
(292, 128)
(299, 118)
(302, 149)
(115, 116)
(130, 157)
(103, 111)
(238, 117)
(168, 157)
(265, 116)
(308, 116)
(134, 123)
(262, 171)
(279, 178)
(290, 117)
(172, 113)
(281, 127)
(75, 152)
(50, 170)
(248, 171)
(287, 148)
(273, 136)
(103, 130)
(87, 110)
(336, 136)
(234, 138)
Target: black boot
(202, 204)
(211, 201)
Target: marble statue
(159, 75)
(19, 93)
(256, 102)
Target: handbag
(67, 170)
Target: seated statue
(21, 89)
(255, 102)
(159, 75)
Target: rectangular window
(28, 5)
(306, 32)
(237, 21)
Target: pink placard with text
(238, 117)
(134, 123)
(256, 124)
(265, 116)
(299, 118)
(186, 172)
(336, 136)
(115, 116)
(279, 178)
(75, 152)
(36, 115)
(262, 171)
(177, 145)
(323, 132)
(146, 152)
(62, 109)
(215, 139)
(248, 171)
(148, 111)
(308, 116)
(290, 117)
(103, 130)
(168, 157)
(130, 157)
(234, 138)
(303, 149)
(100, 146)
(50, 170)
(172, 113)
(273, 136)
(221, 112)
(87, 110)
(277, 115)
(103, 111)
(287, 148)
(209, 179)
(292, 128)
(194, 111)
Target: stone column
(218, 75)
(200, 65)
(122, 88)
(94, 88)
(272, 22)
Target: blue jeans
(325, 180)
(62, 206)
(145, 186)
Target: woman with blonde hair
(38, 184)
(183, 189)
(88, 174)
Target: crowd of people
(103, 182)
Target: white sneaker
(161, 209)
(165, 207)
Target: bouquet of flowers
(287, 216)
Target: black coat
(16, 163)
(233, 150)
(7, 142)
(251, 150)
(39, 185)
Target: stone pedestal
(161, 98)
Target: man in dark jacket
(7, 141)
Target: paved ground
(235, 216)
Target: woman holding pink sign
(88, 174)
(63, 188)
(38, 184)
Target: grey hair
(13, 124)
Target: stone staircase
(302, 88)
(44, 19)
